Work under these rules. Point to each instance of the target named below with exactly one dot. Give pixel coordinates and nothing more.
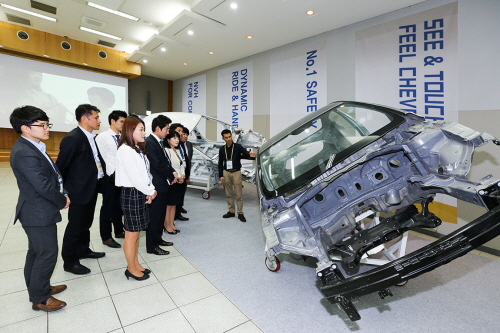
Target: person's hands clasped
(150, 198)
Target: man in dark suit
(81, 167)
(41, 197)
(163, 175)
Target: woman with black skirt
(175, 191)
(133, 176)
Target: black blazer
(78, 167)
(159, 165)
(40, 199)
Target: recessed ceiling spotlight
(29, 12)
(46, 55)
(145, 61)
(119, 71)
(185, 64)
(210, 52)
(85, 64)
(249, 37)
(234, 5)
(116, 12)
(163, 49)
(190, 32)
(310, 12)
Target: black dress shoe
(165, 243)
(93, 255)
(158, 251)
(242, 217)
(228, 215)
(183, 211)
(112, 243)
(138, 278)
(181, 218)
(77, 269)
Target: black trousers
(40, 261)
(76, 239)
(178, 207)
(157, 212)
(111, 211)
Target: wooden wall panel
(111, 62)
(54, 50)
(35, 44)
(8, 137)
(128, 67)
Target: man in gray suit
(41, 197)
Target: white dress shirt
(132, 170)
(108, 145)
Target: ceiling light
(190, 32)
(45, 55)
(119, 71)
(130, 17)
(185, 64)
(163, 49)
(234, 5)
(145, 61)
(210, 52)
(85, 64)
(28, 12)
(249, 37)
(310, 12)
(100, 33)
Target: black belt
(233, 170)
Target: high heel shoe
(177, 231)
(146, 271)
(171, 233)
(138, 278)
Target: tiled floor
(176, 298)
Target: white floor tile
(13, 260)
(139, 304)
(148, 257)
(114, 260)
(34, 325)
(14, 244)
(171, 268)
(213, 314)
(12, 281)
(248, 327)
(18, 309)
(169, 322)
(84, 289)
(118, 283)
(60, 274)
(93, 317)
(189, 288)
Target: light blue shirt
(41, 146)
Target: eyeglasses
(45, 126)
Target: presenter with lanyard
(230, 156)
(137, 191)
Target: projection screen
(57, 90)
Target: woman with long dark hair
(133, 176)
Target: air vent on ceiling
(23, 35)
(43, 7)
(108, 44)
(93, 22)
(102, 54)
(17, 19)
(65, 45)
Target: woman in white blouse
(133, 176)
(175, 191)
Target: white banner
(411, 63)
(297, 84)
(235, 96)
(194, 98)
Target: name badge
(229, 165)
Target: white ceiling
(216, 27)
